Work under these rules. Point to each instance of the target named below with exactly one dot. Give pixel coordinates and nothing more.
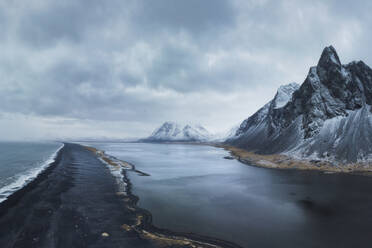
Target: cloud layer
(120, 68)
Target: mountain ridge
(328, 117)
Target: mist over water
(192, 188)
(20, 162)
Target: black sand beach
(70, 205)
(75, 203)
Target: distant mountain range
(175, 132)
(328, 117)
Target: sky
(120, 68)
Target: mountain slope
(172, 132)
(227, 134)
(328, 117)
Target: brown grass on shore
(281, 161)
(92, 149)
(101, 154)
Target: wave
(24, 179)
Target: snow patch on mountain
(284, 94)
(341, 138)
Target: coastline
(143, 225)
(12, 199)
(28, 177)
(77, 202)
(281, 161)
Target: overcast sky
(120, 68)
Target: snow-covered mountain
(258, 121)
(328, 117)
(174, 132)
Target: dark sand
(69, 205)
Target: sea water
(21, 162)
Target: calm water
(193, 189)
(20, 162)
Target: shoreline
(282, 161)
(143, 225)
(28, 176)
(72, 203)
(12, 199)
(45, 193)
(285, 162)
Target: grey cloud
(193, 15)
(149, 61)
(69, 21)
(173, 66)
(3, 24)
(186, 70)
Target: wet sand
(76, 203)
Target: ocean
(21, 162)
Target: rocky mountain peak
(168, 126)
(329, 57)
(329, 69)
(323, 116)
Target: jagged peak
(329, 56)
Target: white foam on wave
(23, 179)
